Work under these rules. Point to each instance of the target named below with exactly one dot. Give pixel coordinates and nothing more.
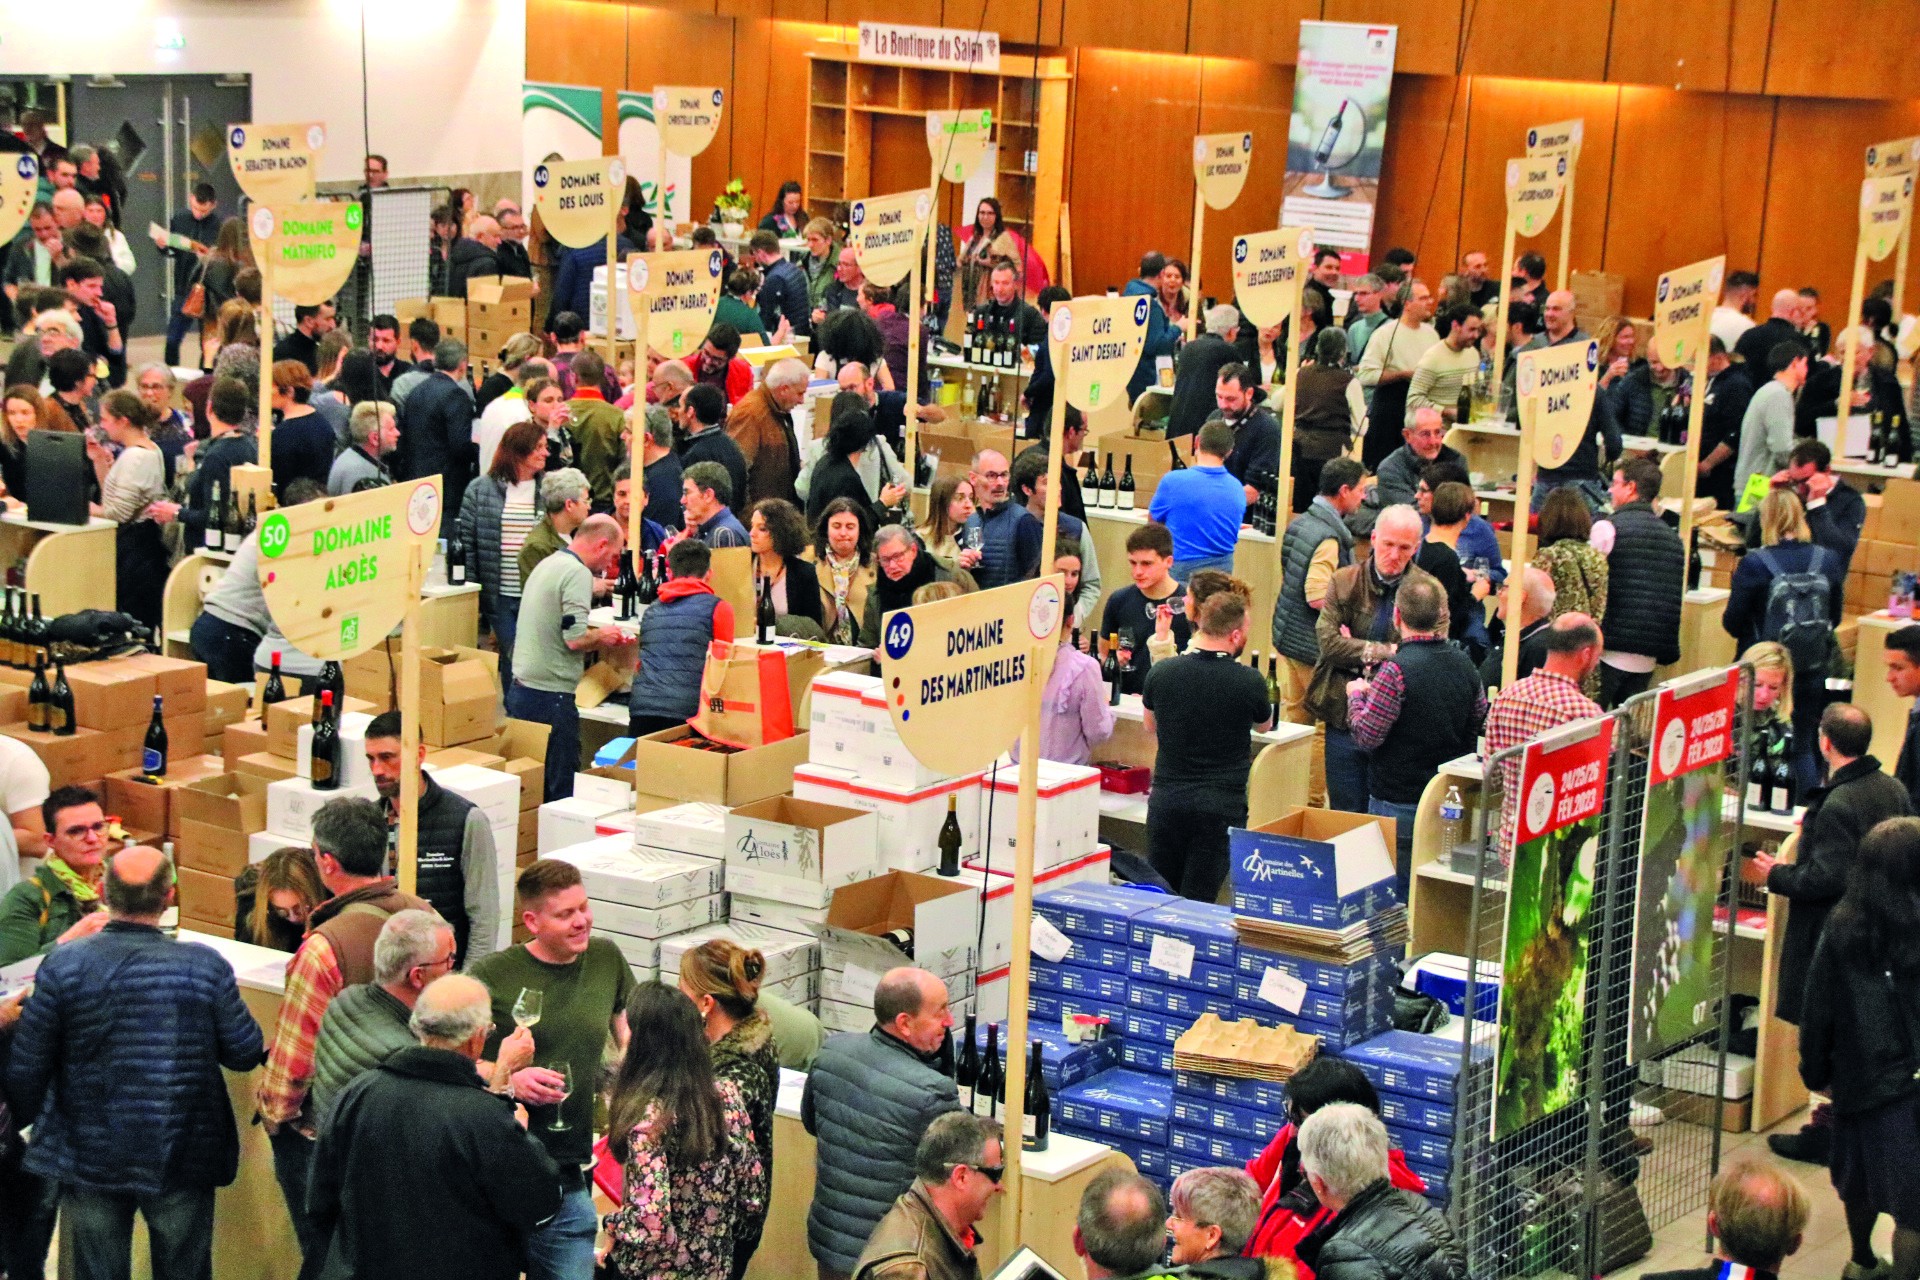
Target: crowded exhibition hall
(1080, 641)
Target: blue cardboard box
(1332, 1038)
(1444, 977)
(1129, 1103)
(1062, 1062)
(1382, 968)
(1156, 1028)
(1315, 866)
(1096, 953)
(1190, 1112)
(1217, 979)
(1177, 1002)
(1149, 1158)
(1066, 979)
(1438, 1181)
(1206, 926)
(1218, 1148)
(1050, 1007)
(1365, 1007)
(1099, 911)
(1178, 1162)
(1195, 1113)
(1256, 1095)
(1434, 1150)
(1402, 1111)
(1144, 1055)
(1408, 1062)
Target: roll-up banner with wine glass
(1338, 134)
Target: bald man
(472, 255)
(1557, 313)
(868, 1101)
(425, 1108)
(1782, 323)
(78, 1056)
(1121, 1227)
(1536, 603)
(69, 208)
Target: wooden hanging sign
(307, 248)
(1534, 184)
(1561, 135)
(1268, 267)
(1097, 342)
(1683, 302)
(1902, 155)
(886, 234)
(958, 141)
(579, 200)
(1556, 388)
(1884, 206)
(687, 116)
(274, 163)
(19, 179)
(1220, 164)
(679, 290)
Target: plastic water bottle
(934, 384)
(1453, 811)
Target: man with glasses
(928, 1234)
(905, 567)
(512, 249)
(350, 844)
(61, 901)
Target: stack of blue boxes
(1179, 965)
(1418, 1079)
(1127, 1110)
(1092, 977)
(1342, 1003)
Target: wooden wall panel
(578, 42)
(1420, 175)
(800, 10)
(1522, 37)
(1258, 97)
(1843, 48)
(1813, 188)
(900, 158)
(1428, 42)
(1677, 44)
(1129, 176)
(1752, 29)
(1101, 24)
(665, 47)
(1017, 21)
(924, 13)
(1673, 205)
(1497, 130)
(1225, 29)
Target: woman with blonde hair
(273, 898)
(1800, 620)
(722, 978)
(1618, 340)
(1773, 711)
(820, 260)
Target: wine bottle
(326, 747)
(153, 752)
(986, 1088)
(276, 688)
(1178, 463)
(38, 695)
(215, 536)
(39, 628)
(943, 1058)
(1760, 776)
(1010, 344)
(967, 1070)
(1783, 787)
(1273, 685)
(1090, 482)
(334, 680)
(236, 524)
(456, 563)
(22, 631)
(252, 521)
(9, 631)
(60, 710)
(950, 840)
(763, 614)
(1118, 677)
(1109, 487)
(966, 344)
(1037, 1123)
(1125, 500)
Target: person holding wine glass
(950, 535)
(583, 984)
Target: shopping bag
(749, 695)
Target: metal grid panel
(400, 230)
(1579, 1183)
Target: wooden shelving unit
(1029, 101)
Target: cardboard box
(265, 764)
(292, 802)
(784, 916)
(531, 774)
(1147, 1056)
(216, 850)
(939, 912)
(730, 778)
(463, 757)
(372, 677)
(614, 871)
(1264, 1096)
(799, 851)
(1216, 978)
(116, 694)
(788, 955)
(1066, 815)
(569, 821)
(1420, 1066)
(1212, 1148)
(180, 681)
(186, 732)
(151, 806)
(698, 830)
(1066, 979)
(235, 801)
(13, 705)
(1102, 912)
(1315, 866)
(226, 704)
(262, 843)
(284, 718)
(1597, 295)
(496, 290)
(206, 896)
(528, 840)
(995, 890)
(494, 793)
(80, 757)
(1379, 969)
(1403, 1112)
(910, 821)
(1127, 1103)
(1176, 1002)
(459, 695)
(522, 744)
(659, 922)
(247, 738)
(353, 749)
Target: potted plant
(733, 205)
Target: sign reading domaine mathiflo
(947, 48)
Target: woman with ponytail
(722, 978)
(129, 484)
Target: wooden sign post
(885, 236)
(19, 179)
(683, 286)
(1886, 206)
(1563, 137)
(1682, 309)
(1885, 159)
(1533, 186)
(1269, 268)
(957, 141)
(305, 250)
(959, 714)
(579, 204)
(1220, 164)
(338, 574)
(1553, 395)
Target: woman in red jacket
(1289, 1210)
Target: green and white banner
(557, 122)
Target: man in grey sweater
(1766, 432)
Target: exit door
(169, 134)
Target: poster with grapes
(1543, 998)
(1684, 844)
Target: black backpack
(1797, 613)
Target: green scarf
(76, 884)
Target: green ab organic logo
(350, 630)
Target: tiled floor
(1823, 1250)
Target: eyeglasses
(91, 829)
(991, 1172)
(890, 559)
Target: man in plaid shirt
(1545, 700)
(350, 844)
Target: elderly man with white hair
(1377, 1232)
(1536, 607)
(762, 425)
(426, 1109)
(372, 425)
(1211, 1214)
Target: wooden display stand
(70, 567)
(846, 99)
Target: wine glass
(526, 1009)
(560, 1124)
(975, 537)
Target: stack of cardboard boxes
(497, 308)
(1886, 546)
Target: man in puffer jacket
(1378, 1232)
(867, 1103)
(117, 1061)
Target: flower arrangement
(734, 203)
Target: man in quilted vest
(674, 634)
